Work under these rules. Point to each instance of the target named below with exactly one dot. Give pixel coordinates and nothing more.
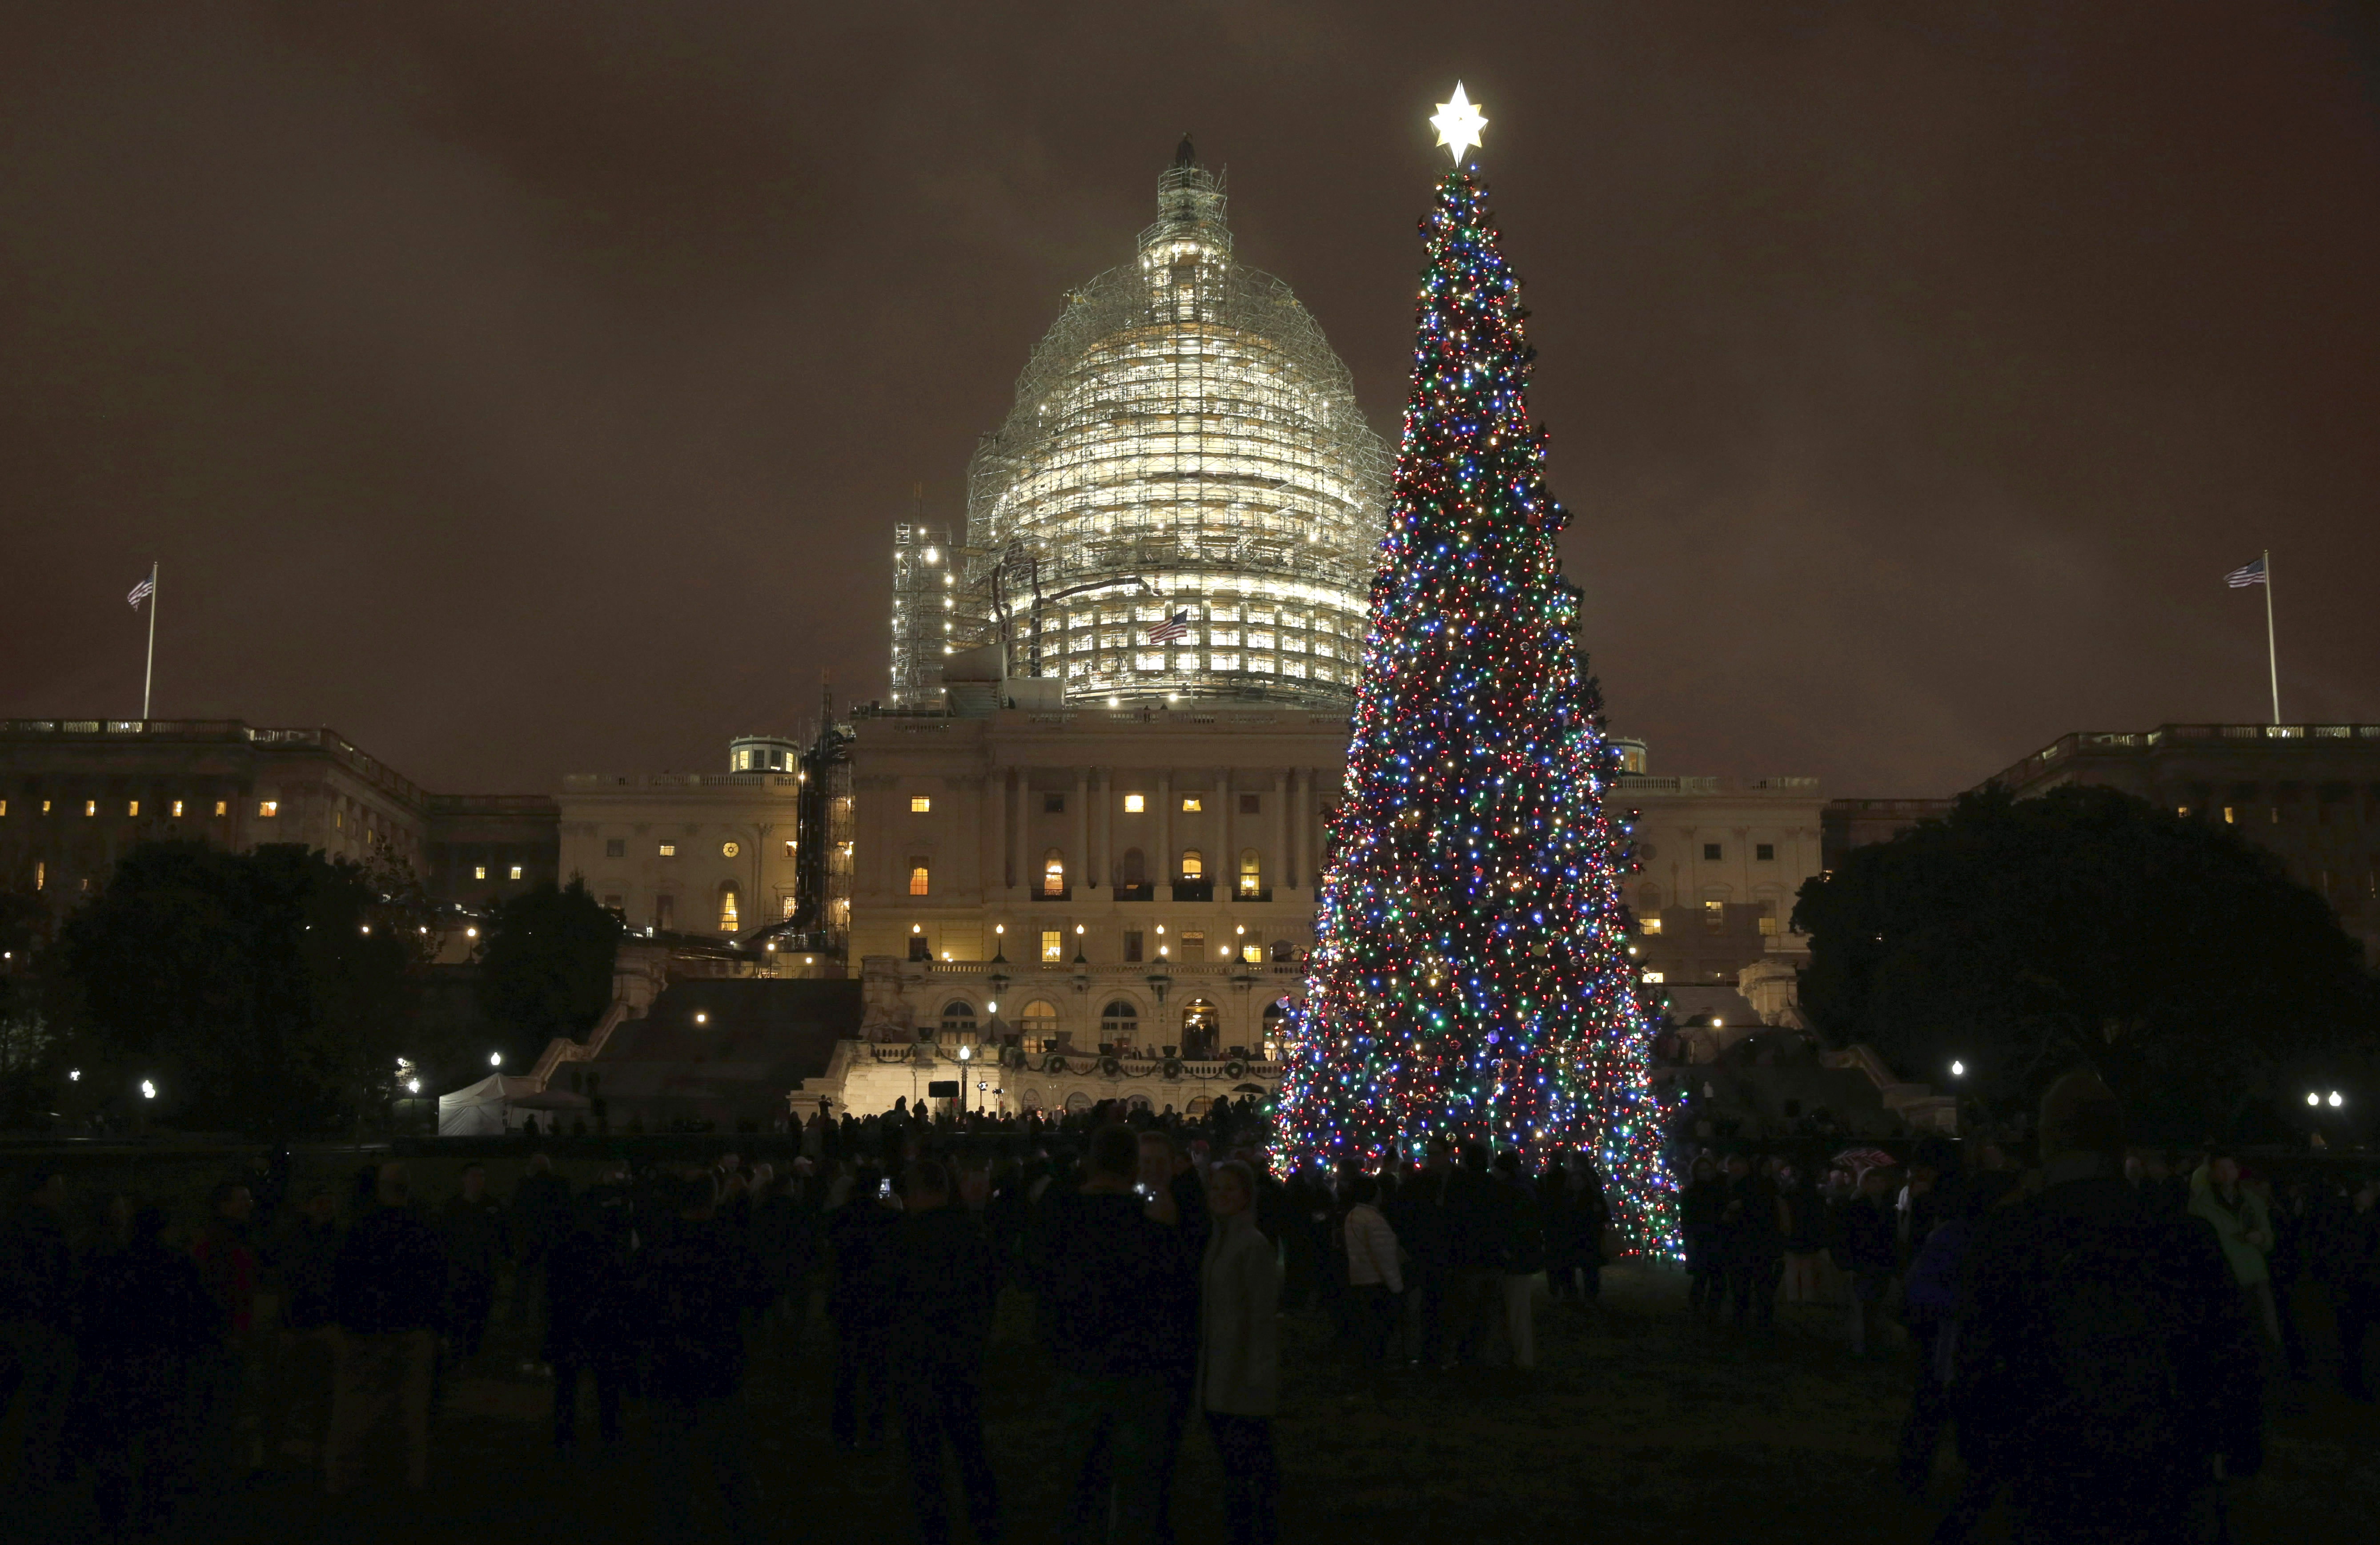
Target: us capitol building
(1073, 855)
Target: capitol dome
(1185, 456)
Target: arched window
(1200, 1028)
(1193, 867)
(1120, 1021)
(1077, 1102)
(921, 876)
(1276, 1030)
(729, 911)
(1283, 952)
(1251, 873)
(1054, 873)
(958, 1018)
(1132, 868)
(1038, 1022)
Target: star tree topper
(1458, 122)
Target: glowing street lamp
(148, 1089)
(1958, 1068)
(495, 1059)
(2313, 1099)
(2336, 1100)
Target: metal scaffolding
(925, 600)
(1183, 443)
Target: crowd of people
(321, 1327)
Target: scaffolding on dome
(1183, 446)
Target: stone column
(1163, 877)
(1019, 846)
(1276, 861)
(1228, 861)
(1079, 868)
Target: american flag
(141, 592)
(2246, 575)
(1175, 626)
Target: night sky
(531, 388)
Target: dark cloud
(531, 387)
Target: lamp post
(966, 1055)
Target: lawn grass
(1637, 1425)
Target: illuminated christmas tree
(1471, 974)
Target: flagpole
(148, 672)
(2272, 653)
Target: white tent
(479, 1110)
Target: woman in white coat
(1239, 1355)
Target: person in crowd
(231, 1369)
(2104, 1360)
(2357, 1276)
(784, 1236)
(474, 1224)
(1755, 1232)
(859, 1245)
(303, 1258)
(1165, 1170)
(1104, 1254)
(37, 1342)
(540, 1215)
(388, 1295)
(1586, 1214)
(1521, 1258)
(1929, 1300)
(144, 1322)
(1868, 1253)
(1239, 1352)
(2285, 1263)
(698, 1283)
(593, 1318)
(1553, 1193)
(2245, 1231)
(1700, 1209)
(1805, 1236)
(1375, 1281)
(1415, 1216)
(943, 1281)
(1474, 1294)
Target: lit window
(268, 807)
(1650, 925)
(1253, 952)
(1054, 873)
(1053, 945)
(132, 807)
(921, 878)
(40, 874)
(728, 920)
(1134, 804)
(91, 807)
(615, 848)
(612, 904)
(1251, 873)
(339, 819)
(1655, 977)
(1714, 915)
(1190, 803)
(728, 849)
(788, 907)
(669, 850)
(1194, 866)
(2231, 817)
(4, 807)
(222, 807)
(1764, 852)
(1710, 853)
(479, 872)
(920, 803)
(517, 871)
(1194, 946)
(789, 847)
(45, 808)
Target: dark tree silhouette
(2026, 937)
(269, 990)
(545, 968)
